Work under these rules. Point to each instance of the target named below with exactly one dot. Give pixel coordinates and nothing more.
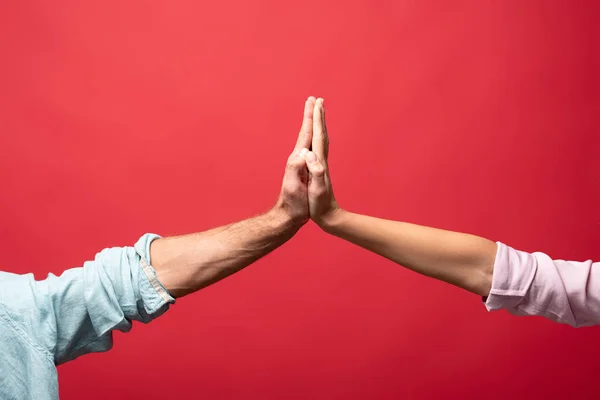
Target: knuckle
(292, 188)
(320, 191)
(292, 163)
(318, 170)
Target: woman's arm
(460, 259)
(522, 283)
(463, 260)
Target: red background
(120, 118)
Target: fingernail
(311, 158)
(303, 152)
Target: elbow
(475, 279)
(481, 283)
(483, 268)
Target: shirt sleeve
(566, 292)
(75, 313)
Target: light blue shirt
(49, 322)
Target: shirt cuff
(155, 296)
(514, 272)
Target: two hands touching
(463, 260)
(135, 285)
(306, 192)
(188, 263)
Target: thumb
(316, 168)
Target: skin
(185, 264)
(463, 260)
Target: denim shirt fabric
(49, 322)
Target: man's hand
(185, 264)
(293, 199)
(321, 201)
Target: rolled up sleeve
(87, 304)
(533, 284)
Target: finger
(296, 165)
(305, 135)
(319, 137)
(317, 171)
(325, 132)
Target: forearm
(460, 259)
(185, 264)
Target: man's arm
(75, 313)
(185, 264)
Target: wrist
(331, 220)
(282, 221)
